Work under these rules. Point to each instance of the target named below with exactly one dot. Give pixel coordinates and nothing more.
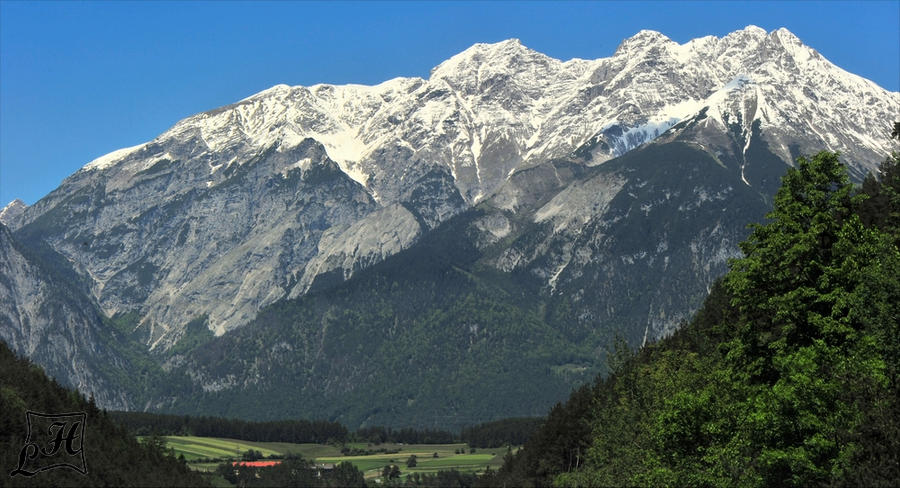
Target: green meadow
(449, 456)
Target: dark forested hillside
(111, 456)
(499, 433)
(426, 339)
(788, 375)
(297, 431)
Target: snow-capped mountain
(237, 208)
(505, 99)
(12, 211)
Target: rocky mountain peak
(753, 31)
(748, 37)
(642, 41)
(12, 211)
(505, 57)
(280, 89)
(785, 36)
(786, 42)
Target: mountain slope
(615, 189)
(221, 251)
(426, 338)
(50, 317)
(638, 243)
(461, 326)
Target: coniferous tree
(801, 357)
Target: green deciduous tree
(390, 472)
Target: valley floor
(206, 454)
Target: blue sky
(81, 79)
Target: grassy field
(371, 465)
(196, 449)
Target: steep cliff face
(156, 235)
(633, 244)
(48, 317)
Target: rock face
(621, 184)
(633, 244)
(12, 211)
(168, 237)
(51, 320)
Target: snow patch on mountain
(112, 158)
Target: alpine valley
(424, 252)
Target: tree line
(499, 433)
(513, 431)
(298, 431)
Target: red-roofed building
(256, 464)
